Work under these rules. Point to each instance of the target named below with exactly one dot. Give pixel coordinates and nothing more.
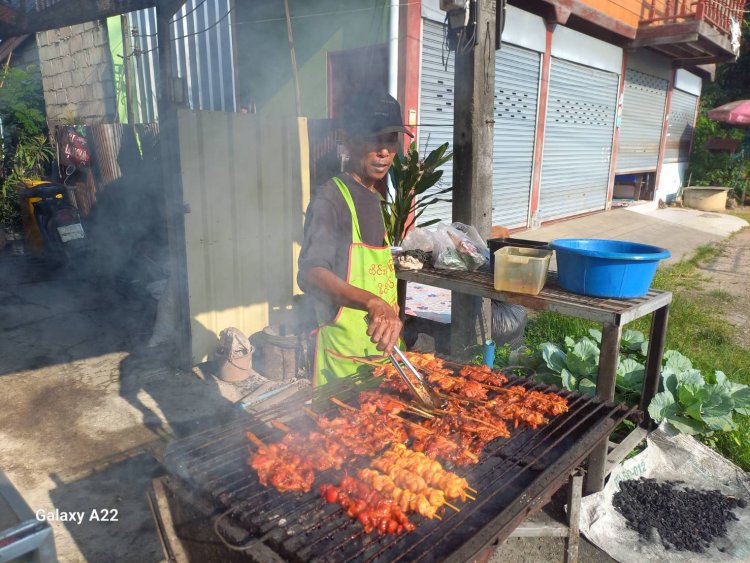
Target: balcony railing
(718, 13)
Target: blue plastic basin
(606, 268)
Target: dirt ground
(730, 273)
(84, 401)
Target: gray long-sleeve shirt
(328, 231)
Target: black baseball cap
(371, 112)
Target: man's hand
(385, 325)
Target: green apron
(370, 268)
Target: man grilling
(346, 262)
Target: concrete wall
(77, 74)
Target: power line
(217, 22)
(186, 14)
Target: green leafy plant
(29, 161)
(693, 404)
(575, 364)
(25, 149)
(412, 177)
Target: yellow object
(521, 270)
(30, 229)
(706, 198)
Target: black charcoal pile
(686, 519)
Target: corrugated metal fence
(246, 186)
(202, 33)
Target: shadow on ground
(85, 402)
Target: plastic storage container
(521, 270)
(607, 268)
(495, 244)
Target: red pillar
(541, 122)
(616, 135)
(410, 30)
(664, 132)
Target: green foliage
(732, 83)
(694, 405)
(21, 105)
(29, 160)
(574, 365)
(26, 149)
(412, 177)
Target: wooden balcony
(691, 32)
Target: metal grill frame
(611, 313)
(512, 453)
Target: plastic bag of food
(444, 253)
(471, 232)
(418, 239)
(465, 248)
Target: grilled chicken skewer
(425, 502)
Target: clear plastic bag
(468, 250)
(419, 239)
(444, 253)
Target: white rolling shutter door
(578, 139)
(436, 111)
(516, 94)
(643, 104)
(680, 131)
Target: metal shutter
(642, 121)
(436, 110)
(680, 131)
(577, 140)
(516, 93)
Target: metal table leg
(656, 343)
(605, 390)
(574, 518)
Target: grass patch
(697, 328)
(720, 295)
(741, 213)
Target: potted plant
(411, 178)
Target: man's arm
(385, 324)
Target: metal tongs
(419, 386)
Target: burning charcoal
(685, 518)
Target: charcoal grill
(515, 477)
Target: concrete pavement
(678, 230)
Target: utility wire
(186, 14)
(217, 22)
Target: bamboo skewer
(254, 439)
(354, 359)
(335, 401)
(453, 507)
(311, 413)
(281, 426)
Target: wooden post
(293, 56)
(127, 52)
(473, 131)
(605, 391)
(172, 186)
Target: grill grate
(514, 477)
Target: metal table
(613, 314)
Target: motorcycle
(51, 210)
